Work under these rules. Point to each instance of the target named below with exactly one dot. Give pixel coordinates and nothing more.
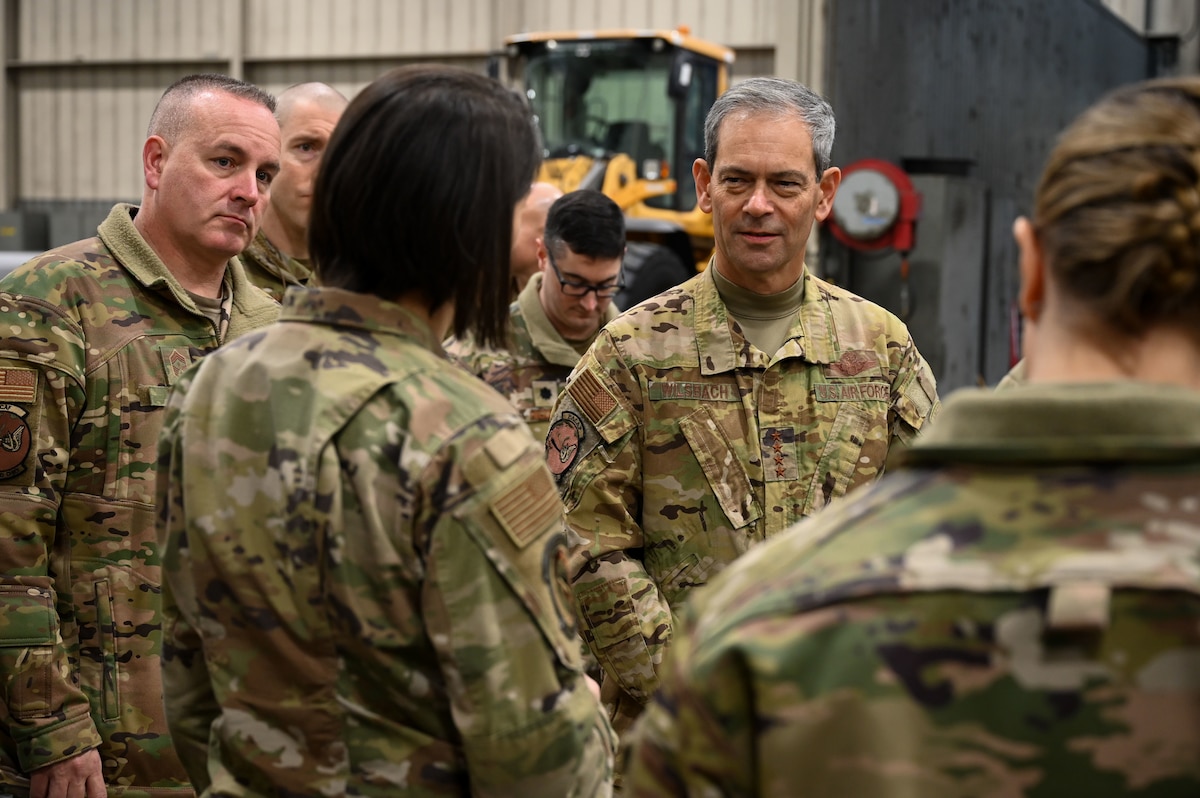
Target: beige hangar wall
(82, 76)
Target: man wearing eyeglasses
(560, 310)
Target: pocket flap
(28, 617)
(722, 468)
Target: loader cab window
(697, 97)
(602, 97)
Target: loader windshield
(599, 97)
(608, 95)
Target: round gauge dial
(866, 204)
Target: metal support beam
(8, 105)
(235, 12)
(800, 47)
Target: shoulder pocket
(28, 634)
(523, 534)
(917, 402)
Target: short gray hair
(774, 96)
(172, 115)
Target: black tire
(650, 269)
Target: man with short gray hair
(715, 415)
(107, 325)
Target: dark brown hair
(416, 193)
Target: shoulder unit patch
(15, 440)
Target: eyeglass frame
(587, 288)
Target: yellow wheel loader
(622, 111)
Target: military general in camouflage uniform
(96, 332)
(716, 414)
(1016, 609)
(278, 256)
(365, 565)
(560, 311)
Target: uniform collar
(121, 237)
(340, 308)
(289, 270)
(719, 349)
(1111, 422)
(545, 338)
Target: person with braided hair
(1014, 609)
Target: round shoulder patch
(14, 440)
(562, 443)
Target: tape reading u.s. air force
(852, 391)
(701, 391)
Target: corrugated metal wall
(82, 76)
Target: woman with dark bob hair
(365, 567)
(1015, 608)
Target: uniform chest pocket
(126, 396)
(722, 467)
(843, 457)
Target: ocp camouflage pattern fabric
(533, 369)
(678, 446)
(1014, 611)
(95, 333)
(271, 270)
(365, 565)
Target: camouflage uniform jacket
(1016, 611)
(678, 445)
(365, 572)
(535, 367)
(96, 332)
(271, 270)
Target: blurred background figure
(530, 224)
(278, 256)
(1015, 608)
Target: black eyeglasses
(575, 288)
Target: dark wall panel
(982, 86)
(989, 81)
